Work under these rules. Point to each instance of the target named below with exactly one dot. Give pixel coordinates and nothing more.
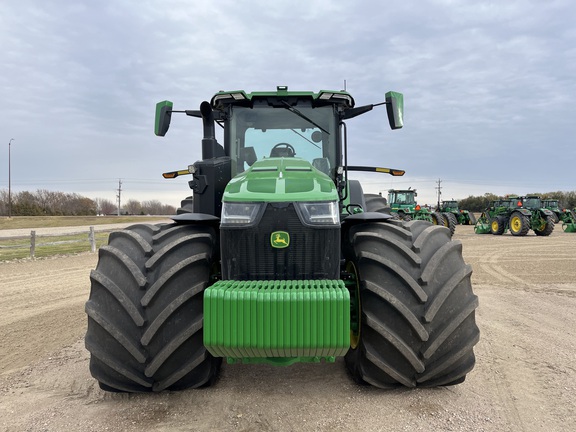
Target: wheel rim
(355, 307)
(494, 226)
(516, 224)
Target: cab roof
(241, 98)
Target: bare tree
(3, 202)
(45, 202)
(152, 207)
(168, 210)
(133, 206)
(105, 206)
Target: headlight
(241, 214)
(318, 213)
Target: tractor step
(283, 320)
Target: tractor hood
(280, 180)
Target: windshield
(402, 198)
(262, 132)
(532, 202)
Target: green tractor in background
(403, 203)
(554, 207)
(494, 220)
(280, 257)
(541, 220)
(564, 215)
(463, 217)
(517, 214)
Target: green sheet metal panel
(267, 319)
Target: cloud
(487, 85)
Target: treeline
(49, 203)
(480, 203)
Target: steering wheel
(282, 150)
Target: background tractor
(279, 257)
(554, 207)
(541, 219)
(463, 217)
(564, 215)
(403, 203)
(517, 214)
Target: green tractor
(517, 214)
(494, 219)
(463, 217)
(554, 207)
(279, 257)
(541, 220)
(566, 216)
(403, 203)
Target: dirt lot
(524, 380)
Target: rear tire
(376, 203)
(548, 228)
(451, 222)
(405, 217)
(519, 224)
(417, 325)
(145, 309)
(555, 218)
(186, 205)
(437, 219)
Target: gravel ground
(524, 379)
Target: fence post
(32, 243)
(92, 239)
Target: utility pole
(119, 194)
(9, 182)
(439, 189)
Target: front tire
(417, 309)
(145, 311)
(498, 225)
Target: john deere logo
(280, 239)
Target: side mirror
(395, 109)
(163, 117)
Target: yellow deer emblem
(280, 239)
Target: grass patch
(50, 245)
(17, 222)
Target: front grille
(247, 253)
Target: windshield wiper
(299, 114)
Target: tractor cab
(263, 132)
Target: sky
(488, 88)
